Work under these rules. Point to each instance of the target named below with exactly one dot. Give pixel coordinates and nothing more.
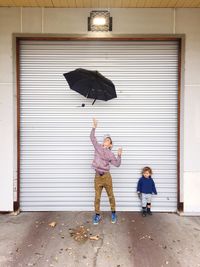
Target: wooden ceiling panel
(102, 3)
(181, 3)
(28, 3)
(6, 3)
(44, 3)
(87, 3)
(73, 3)
(60, 3)
(94, 3)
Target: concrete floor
(154, 241)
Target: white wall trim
(188, 214)
(6, 83)
(42, 20)
(192, 85)
(174, 21)
(21, 19)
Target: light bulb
(99, 21)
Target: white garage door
(56, 153)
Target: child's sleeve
(154, 187)
(116, 161)
(93, 138)
(139, 186)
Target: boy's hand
(139, 194)
(94, 123)
(119, 151)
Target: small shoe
(149, 212)
(144, 214)
(114, 217)
(96, 219)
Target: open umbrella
(91, 84)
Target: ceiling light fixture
(100, 21)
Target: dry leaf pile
(81, 234)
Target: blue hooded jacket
(146, 185)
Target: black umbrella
(91, 84)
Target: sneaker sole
(97, 222)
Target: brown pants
(104, 181)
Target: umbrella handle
(93, 101)
(88, 93)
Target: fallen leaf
(79, 234)
(15, 213)
(145, 236)
(68, 249)
(52, 224)
(95, 237)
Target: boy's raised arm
(94, 123)
(92, 134)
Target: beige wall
(125, 21)
(187, 21)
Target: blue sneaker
(114, 217)
(96, 219)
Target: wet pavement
(69, 239)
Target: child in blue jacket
(145, 188)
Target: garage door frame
(17, 38)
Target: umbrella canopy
(91, 84)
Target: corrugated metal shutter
(56, 152)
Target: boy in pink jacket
(103, 157)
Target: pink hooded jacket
(103, 157)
